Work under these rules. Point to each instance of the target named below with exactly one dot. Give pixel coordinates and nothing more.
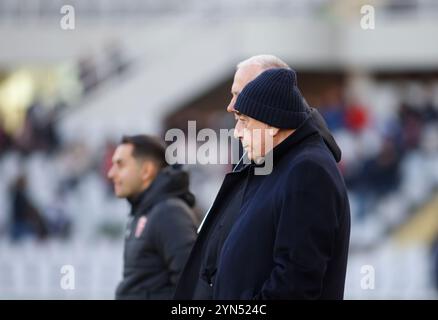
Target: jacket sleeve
(174, 235)
(305, 235)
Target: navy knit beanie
(274, 98)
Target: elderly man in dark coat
(290, 240)
(282, 235)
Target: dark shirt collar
(136, 200)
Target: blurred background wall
(136, 66)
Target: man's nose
(110, 174)
(230, 107)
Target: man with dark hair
(162, 224)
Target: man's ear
(273, 131)
(148, 170)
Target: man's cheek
(247, 137)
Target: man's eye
(238, 118)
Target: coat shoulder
(172, 210)
(308, 166)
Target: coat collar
(306, 130)
(171, 182)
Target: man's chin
(120, 194)
(258, 159)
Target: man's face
(253, 135)
(126, 172)
(249, 131)
(243, 76)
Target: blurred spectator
(356, 118)
(49, 135)
(377, 177)
(381, 174)
(332, 108)
(88, 74)
(116, 58)
(5, 139)
(59, 223)
(26, 219)
(25, 137)
(38, 130)
(411, 121)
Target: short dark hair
(145, 146)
